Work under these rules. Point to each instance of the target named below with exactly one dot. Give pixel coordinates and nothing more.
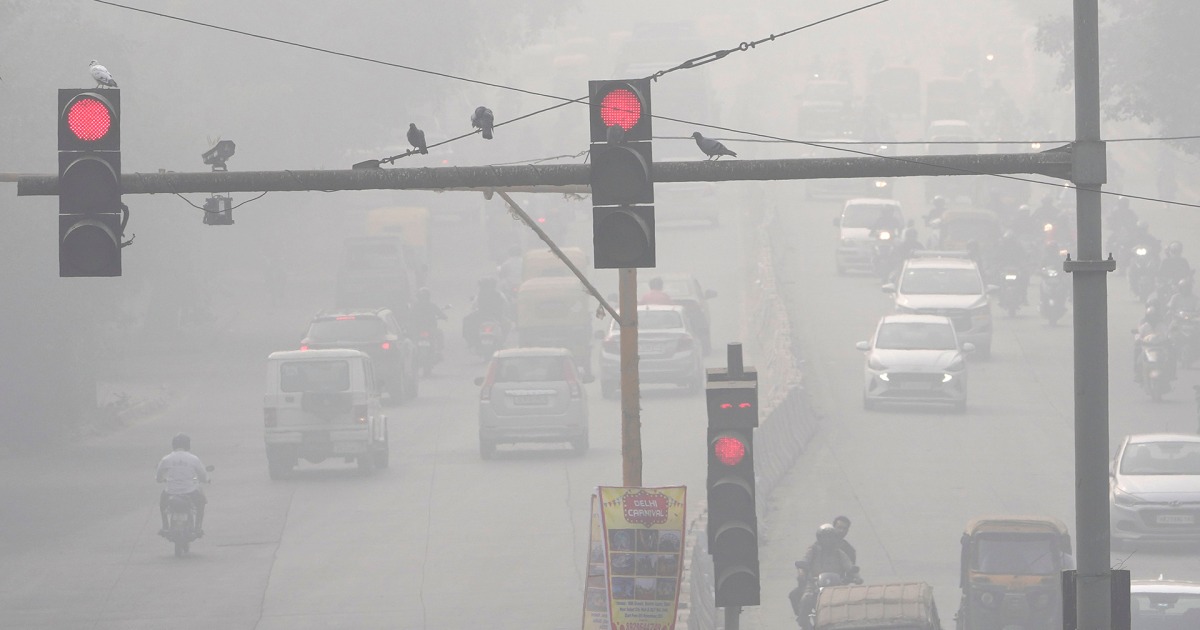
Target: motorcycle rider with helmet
(183, 473)
(1010, 254)
(489, 304)
(823, 556)
(1174, 267)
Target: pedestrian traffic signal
(621, 174)
(732, 520)
(91, 216)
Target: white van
(321, 404)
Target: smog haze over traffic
(453, 529)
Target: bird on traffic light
(712, 148)
(483, 119)
(416, 137)
(102, 76)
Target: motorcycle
(489, 337)
(883, 255)
(1142, 273)
(1012, 291)
(806, 616)
(1155, 365)
(1052, 295)
(429, 350)
(181, 522)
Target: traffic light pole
(631, 407)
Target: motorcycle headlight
(987, 599)
(879, 183)
(885, 236)
(1141, 251)
(1011, 277)
(1049, 227)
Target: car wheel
(608, 389)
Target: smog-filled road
(442, 539)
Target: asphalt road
(911, 478)
(440, 540)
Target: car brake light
(360, 414)
(424, 333)
(304, 347)
(485, 393)
(270, 420)
(344, 317)
(487, 329)
(386, 345)
(571, 378)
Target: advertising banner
(643, 535)
(595, 595)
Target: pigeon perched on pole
(102, 76)
(483, 119)
(712, 148)
(416, 137)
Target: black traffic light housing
(91, 216)
(621, 174)
(732, 398)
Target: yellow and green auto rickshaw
(554, 312)
(1011, 570)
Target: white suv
(934, 284)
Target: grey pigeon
(712, 148)
(615, 134)
(416, 137)
(102, 76)
(483, 119)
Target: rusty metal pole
(631, 409)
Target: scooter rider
(1153, 324)
(823, 556)
(426, 315)
(183, 473)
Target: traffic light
(732, 521)
(91, 217)
(621, 172)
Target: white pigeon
(102, 76)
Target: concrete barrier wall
(787, 420)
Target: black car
(377, 333)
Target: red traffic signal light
(89, 120)
(729, 450)
(622, 103)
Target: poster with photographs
(643, 545)
(595, 593)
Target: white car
(859, 228)
(935, 284)
(1161, 603)
(915, 359)
(669, 350)
(1154, 488)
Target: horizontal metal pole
(573, 177)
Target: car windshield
(1161, 458)
(314, 376)
(867, 215)
(1151, 611)
(347, 330)
(916, 336)
(526, 369)
(1016, 556)
(941, 282)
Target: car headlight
(1120, 497)
(879, 183)
(876, 364)
(1141, 251)
(947, 377)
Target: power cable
(910, 142)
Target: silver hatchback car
(1155, 488)
(915, 359)
(532, 395)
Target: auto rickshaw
(1011, 573)
(554, 312)
(541, 263)
(898, 606)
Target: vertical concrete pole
(1089, 281)
(631, 404)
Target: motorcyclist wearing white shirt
(183, 473)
